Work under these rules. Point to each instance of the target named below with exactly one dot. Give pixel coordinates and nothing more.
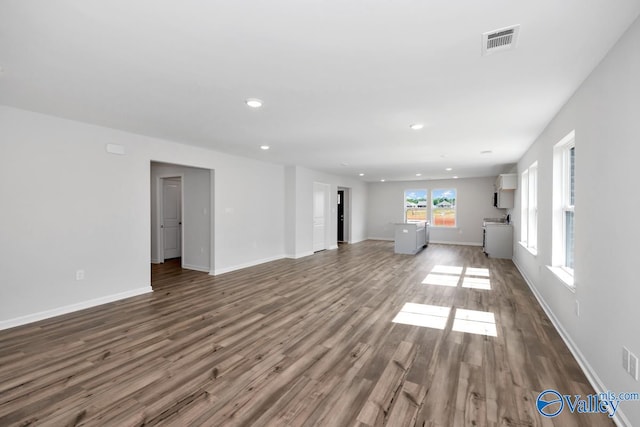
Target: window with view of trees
(443, 208)
(415, 205)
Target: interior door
(172, 217)
(320, 204)
(340, 215)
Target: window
(415, 205)
(529, 208)
(443, 208)
(563, 204)
(568, 205)
(524, 207)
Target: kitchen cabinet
(507, 181)
(498, 240)
(504, 199)
(410, 238)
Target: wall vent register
(499, 40)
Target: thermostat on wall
(115, 149)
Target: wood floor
(299, 342)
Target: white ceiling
(341, 81)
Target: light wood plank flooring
(300, 342)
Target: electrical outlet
(633, 366)
(625, 359)
(80, 275)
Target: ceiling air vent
(499, 40)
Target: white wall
(605, 114)
(474, 202)
(299, 187)
(70, 205)
(196, 214)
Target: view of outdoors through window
(415, 205)
(443, 208)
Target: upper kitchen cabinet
(507, 181)
(505, 184)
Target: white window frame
(524, 207)
(455, 208)
(561, 205)
(567, 206)
(529, 208)
(532, 234)
(426, 207)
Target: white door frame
(159, 213)
(327, 220)
(347, 212)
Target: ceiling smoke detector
(499, 40)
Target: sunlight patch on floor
(441, 280)
(473, 271)
(475, 322)
(476, 283)
(447, 269)
(428, 316)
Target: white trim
(42, 315)
(443, 242)
(155, 261)
(437, 242)
(532, 251)
(619, 418)
(300, 255)
(245, 265)
(332, 247)
(195, 267)
(564, 277)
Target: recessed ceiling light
(416, 126)
(455, 177)
(486, 152)
(449, 169)
(418, 174)
(264, 147)
(382, 180)
(254, 102)
(361, 174)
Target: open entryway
(340, 218)
(343, 220)
(181, 218)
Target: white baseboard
(196, 268)
(300, 255)
(34, 317)
(443, 242)
(332, 247)
(155, 261)
(437, 242)
(620, 419)
(218, 271)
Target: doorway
(181, 219)
(340, 216)
(171, 218)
